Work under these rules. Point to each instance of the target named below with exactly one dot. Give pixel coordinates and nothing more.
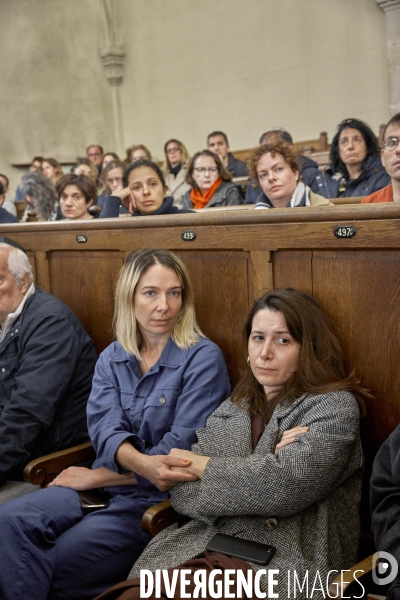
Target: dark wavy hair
(369, 137)
(321, 368)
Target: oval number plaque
(189, 235)
(345, 231)
(81, 238)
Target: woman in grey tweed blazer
(280, 462)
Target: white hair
(18, 264)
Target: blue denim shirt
(156, 411)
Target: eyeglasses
(204, 169)
(390, 143)
(172, 150)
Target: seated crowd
(157, 404)
(357, 168)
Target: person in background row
(76, 193)
(274, 168)
(135, 152)
(36, 167)
(84, 166)
(8, 205)
(211, 183)
(49, 362)
(95, 153)
(41, 198)
(112, 177)
(107, 158)
(144, 193)
(5, 216)
(390, 156)
(356, 168)
(278, 463)
(217, 142)
(175, 168)
(152, 389)
(51, 169)
(385, 503)
(308, 168)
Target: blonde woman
(152, 389)
(175, 168)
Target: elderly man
(46, 366)
(390, 156)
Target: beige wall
(54, 97)
(191, 66)
(245, 66)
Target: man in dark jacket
(385, 502)
(5, 216)
(308, 168)
(217, 142)
(46, 366)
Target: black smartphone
(261, 554)
(92, 500)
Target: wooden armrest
(41, 471)
(158, 517)
(337, 590)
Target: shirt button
(271, 523)
(16, 331)
(3, 370)
(162, 400)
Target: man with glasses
(390, 156)
(95, 154)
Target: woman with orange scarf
(211, 183)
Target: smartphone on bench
(261, 554)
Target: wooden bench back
(235, 256)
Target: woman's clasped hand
(152, 389)
(279, 462)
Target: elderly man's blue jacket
(47, 362)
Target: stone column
(113, 57)
(113, 61)
(392, 11)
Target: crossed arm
(164, 471)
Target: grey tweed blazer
(303, 500)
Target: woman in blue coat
(356, 168)
(152, 389)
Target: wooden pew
(233, 257)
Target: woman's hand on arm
(197, 463)
(157, 468)
(81, 478)
(127, 199)
(290, 435)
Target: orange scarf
(200, 201)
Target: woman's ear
(165, 191)
(297, 175)
(89, 203)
